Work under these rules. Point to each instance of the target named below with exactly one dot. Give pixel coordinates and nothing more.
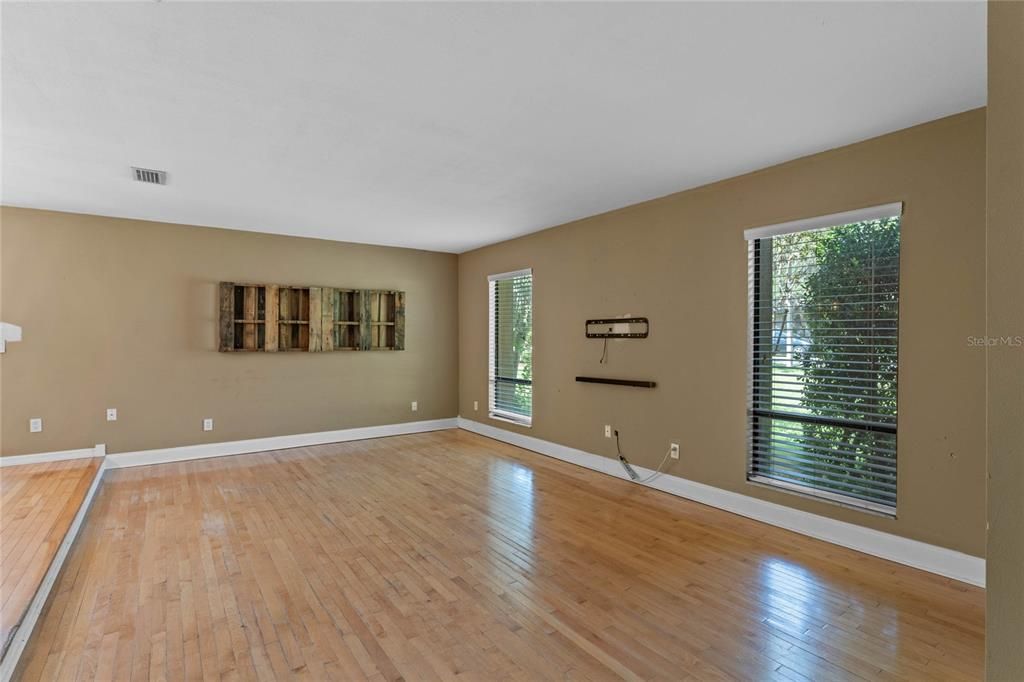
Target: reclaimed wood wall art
(276, 318)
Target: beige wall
(681, 261)
(2, 319)
(1005, 566)
(123, 313)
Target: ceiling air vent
(153, 177)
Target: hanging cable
(604, 353)
(629, 468)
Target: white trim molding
(14, 460)
(236, 447)
(931, 558)
(8, 332)
(35, 608)
(510, 275)
(242, 447)
(825, 221)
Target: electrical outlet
(111, 414)
(207, 424)
(476, 405)
(673, 450)
(415, 406)
(607, 430)
(35, 425)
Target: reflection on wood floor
(447, 555)
(38, 502)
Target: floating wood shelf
(636, 383)
(277, 318)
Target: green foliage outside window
(835, 298)
(514, 344)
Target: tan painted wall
(1005, 566)
(2, 319)
(681, 260)
(123, 313)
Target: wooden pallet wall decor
(282, 318)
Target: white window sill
(823, 496)
(509, 419)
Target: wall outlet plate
(207, 425)
(674, 450)
(35, 424)
(476, 405)
(111, 414)
(415, 406)
(607, 430)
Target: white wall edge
(931, 558)
(241, 447)
(15, 460)
(28, 623)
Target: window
(511, 346)
(825, 354)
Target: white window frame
(492, 411)
(806, 225)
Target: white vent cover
(153, 177)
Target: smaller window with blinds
(824, 336)
(511, 346)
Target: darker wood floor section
(450, 556)
(38, 502)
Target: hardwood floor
(450, 556)
(38, 502)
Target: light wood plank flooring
(450, 556)
(38, 502)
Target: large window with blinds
(511, 346)
(825, 356)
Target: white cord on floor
(657, 472)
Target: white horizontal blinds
(825, 341)
(511, 346)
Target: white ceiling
(451, 126)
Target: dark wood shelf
(635, 383)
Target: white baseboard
(14, 460)
(931, 558)
(242, 447)
(35, 608)
(235, 447)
